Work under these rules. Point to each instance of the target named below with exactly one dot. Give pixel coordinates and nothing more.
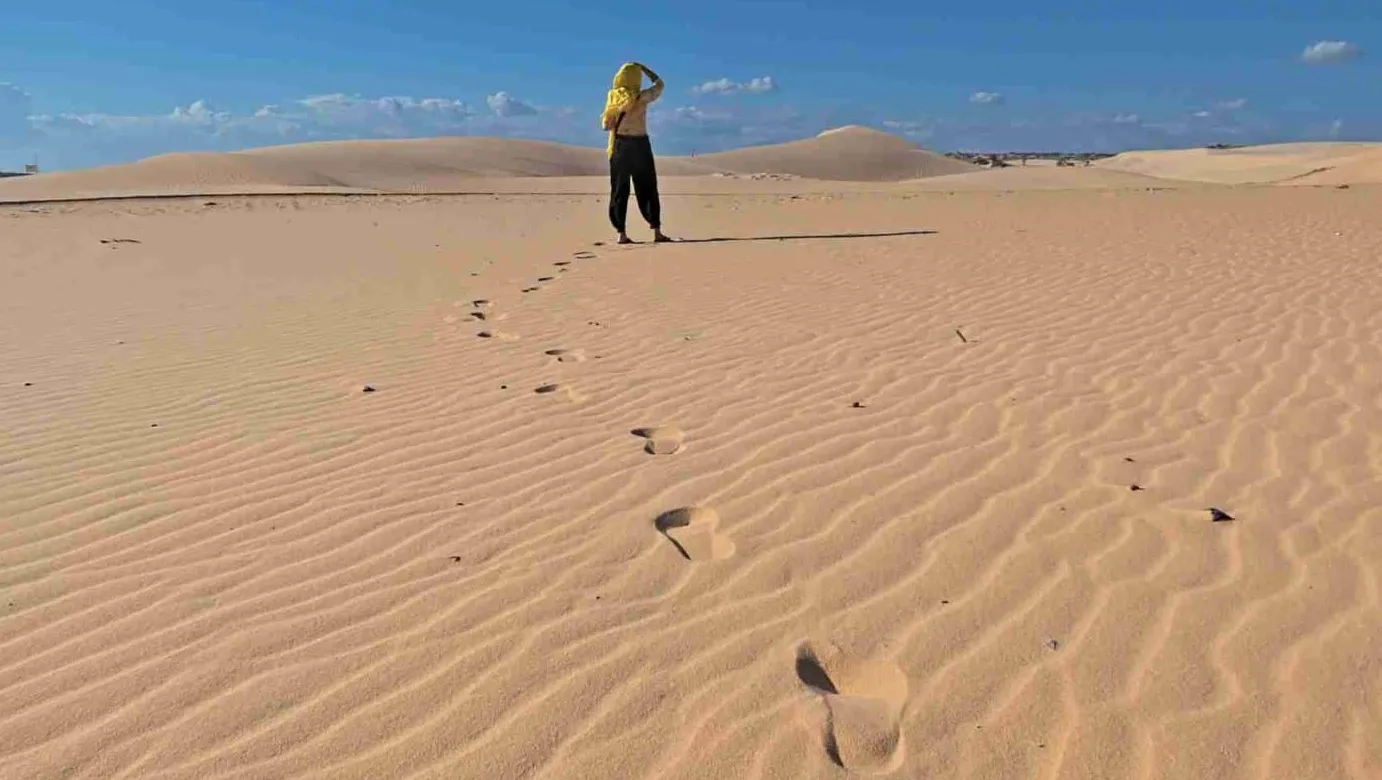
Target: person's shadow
(803, 237)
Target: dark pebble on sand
(1054, 644)
(28, 384)
(1220, 516)
(503, 387)
(367, 389)
(154, 425)
(857, 405)
(1135, 488)
(1129, 460)
(455, 559)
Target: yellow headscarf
(628, 82)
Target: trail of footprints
(861, 700)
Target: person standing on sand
(630, 151)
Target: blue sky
(85, 82)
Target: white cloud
(199, 113)
(505, 105)
(1201, 115)
(1336, 128)
(14, 110)
(1126, 119)
(987, 98)
(724, 86)
(1231, 105)
(917, 131)
(74, 140)
(1330, 51)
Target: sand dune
(1300, 163)
(457, 164)
(844, 154)
(928, 499)
(1045, 177)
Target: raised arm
(655, 91)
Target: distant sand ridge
(847, 154)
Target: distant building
(29, 170)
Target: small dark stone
(597, 598)
(460, 503)
(1135, 488)
(545, 278)
(28, 384)
(943, 601)
(367, 389)
(455, 559)
(155, 425)
(1129, 460)
(1341, 187)
(1054, 644)
(503, 387)
(1220, 516)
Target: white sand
(1301, 164)
(909, 546)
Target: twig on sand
(961, 335)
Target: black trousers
(632, 162)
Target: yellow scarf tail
(628, 82)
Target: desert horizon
(845, 156)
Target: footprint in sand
(530, 289)
(863, 707)
(661, 440)
(694, 532)
(480, 303)
(497, 335)
(585, 255)
(562, 263)
(545, 278)
(561, 389)
(567, 355)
